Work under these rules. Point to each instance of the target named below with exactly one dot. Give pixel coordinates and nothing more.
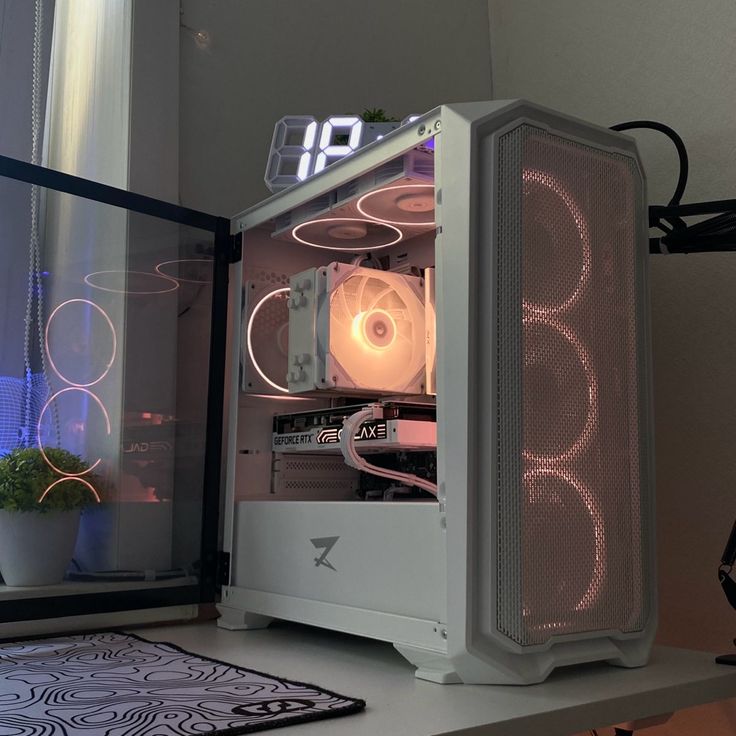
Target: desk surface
(571, 700)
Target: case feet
(631, 654)
(432, 666)
(235, 619)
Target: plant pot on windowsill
(39, 513)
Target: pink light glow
(360, 204)
(591, 421)
(168, 279)
(40, 421)
(348, 243)
(74, 478)
(160, 272)
(589, 501)
(114, 342)
(553, 184)
(249, 340)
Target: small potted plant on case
(41, 498)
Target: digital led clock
(301, 146)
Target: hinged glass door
(112, 326)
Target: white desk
(569, 701)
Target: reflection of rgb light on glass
(588, 499)
(161, 270)
(552, 183)
(354, 231)
(410, 203)
(86, 392)
(168, 284)
(591, 420)
(375, 329)
(249, 339)
(112, 332)
(75, 479)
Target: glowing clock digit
(348, 127)
(292, 151)
(301, 146)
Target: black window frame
(226, 251)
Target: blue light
(13, 433)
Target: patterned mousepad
(116, 684)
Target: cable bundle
(717, 233)
(347, 445)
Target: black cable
(679, 145)
(693, 208)
(715, 234)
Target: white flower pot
(36, 549)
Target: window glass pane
(105, 353)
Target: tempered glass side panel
(105, 353)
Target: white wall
(671, 61)
(272, 57)
(153, 161)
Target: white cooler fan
(356, 329)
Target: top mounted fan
(356, 329)
(389, 204)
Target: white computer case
(519, 521)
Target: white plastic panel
(387, 557)
(544, 428)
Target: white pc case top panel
(544, 429)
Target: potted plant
(39, 513)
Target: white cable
(350, 426)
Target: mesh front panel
(569, 515)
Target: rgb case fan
(376, 210)
(356, 329)
(265, 340)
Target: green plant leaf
(25, 475)
(377, 115)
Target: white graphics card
(356, 329)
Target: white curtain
(87, 135)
